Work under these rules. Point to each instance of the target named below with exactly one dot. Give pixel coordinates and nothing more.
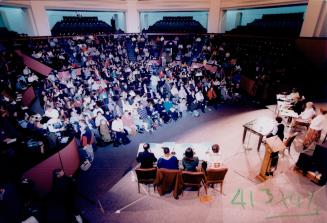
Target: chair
(216, 176)
(146, 176)
(288, 142)
(193, 179)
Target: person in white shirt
(306, 116)
(314, 132)
(51, 113)
(200, 100)
(214, 158)
(99, 118)
(118, 127)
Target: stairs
(130, 50)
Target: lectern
(269, 164)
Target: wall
(249, 15)
(153, 17)
(16, 19)
(56, 16)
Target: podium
(273, 145)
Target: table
(201, 150)
(261, 127)
(283, 102)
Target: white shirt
(214, 160)
(318, 122)
(307, 114)
(52, 113)
(199, 96)
(98, 120)
(117, 125)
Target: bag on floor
(85, 165)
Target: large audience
(97, 93)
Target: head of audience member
(146, 146)
(166, 150)
(279, 119)
(189, 153)
(215, 148)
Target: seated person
(190, 162)
(146, 158)
(306, 116)
(168, 161)
(214, 158)
(316, 126)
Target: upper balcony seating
(80, 26)
(283, 25)
(179, 24)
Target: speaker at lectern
(273, 146)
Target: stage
(287, 197)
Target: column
(214, 16)
(314, 18)
(40, 19)
(132, 17)
(222, 21)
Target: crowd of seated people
(107, 98)
(78, 25)
(178, 24)
(117, 98)
(273, 25)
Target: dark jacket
(146, 159)
(171, 163)
(190, 164)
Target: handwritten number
(269, 194)
(251, 199)
(241, 202)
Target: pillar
(40, 19)
(314, 18)
(132, 17)
(214, 16)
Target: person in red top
(212, 97)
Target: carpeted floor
(109, 188)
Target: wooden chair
(146, 176)
(216, 176)
(193, 179)
(288, 142)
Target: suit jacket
(146, 159)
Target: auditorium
(127, 111)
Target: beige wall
(313, 24)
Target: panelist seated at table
(190, 162)
(167, 161)
(146, 158)
(214, 157)
(307, 115)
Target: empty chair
(216, 176)
(146, 176)
(193, 179)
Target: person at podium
(278, 129)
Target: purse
(85, 165)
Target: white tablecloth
(201, 149)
